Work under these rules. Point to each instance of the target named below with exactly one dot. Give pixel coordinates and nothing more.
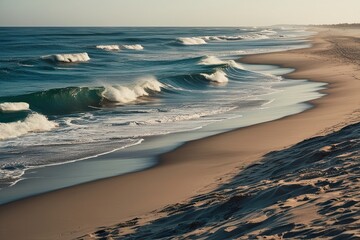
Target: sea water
(70, 94)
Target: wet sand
(203, 165)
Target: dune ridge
(307, 191)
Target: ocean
(71, 94)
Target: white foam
(68, 58)
(269, 31)
(13, 106)
(219, 76)
(231, 38)
(133, 47)
(109, 47)
(234, 64)
(204, 39)
(212, 60)
(212, 38)
(191, 40)
(181, 117)
(255, 36)
(126, 94)
(33, 123)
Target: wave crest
(108, 47)
(33, 123)
(212, 60)
(133, 47)
(126, 94)
(191, 40)
(13, 106)
(68, 58)
(255, 36)
(79, 99)
(219, 77)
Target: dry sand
(308, 191)
(200, 166)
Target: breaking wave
(33, 123)
(108, 47)
(68, 58)
(80, 99)
(268, 31)
(212, 60)
(133, 47)
(204, 39)
(13, 106)
(126, 94)
(191, 40)
(219, 77)
(118, 47)
(255, 36)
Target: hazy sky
(176, 12)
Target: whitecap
(13, 106)
(133, 47)
(219, 77)
(127, 94)
(268, 31)
(234, 64)
(212, 60)
(191, 40)
(68, 58)
(33, 123)
(108, 47)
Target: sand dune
(307, 191)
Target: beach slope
(200, 166)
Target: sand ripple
(310, 190)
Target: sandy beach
(203, 172)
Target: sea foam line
(72, 161)
(200, 40)
(115, 47)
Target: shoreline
(145, 155)
(80, 209)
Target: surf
(13, 106)
(212, 60)
(126, 94)
(32, 123)
(68, 57)
(108, 47)
(191, 41)
(218, 77)
(133, 47)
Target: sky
(176, 12)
